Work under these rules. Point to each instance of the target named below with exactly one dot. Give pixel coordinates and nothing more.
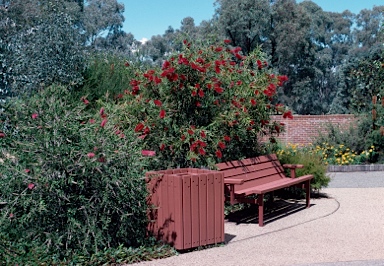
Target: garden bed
(356, 168)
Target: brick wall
(303, 129)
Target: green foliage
(312, 161)
(205, 105)
(71, 180)
(107, 75)
(47, 51)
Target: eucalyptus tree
(245, 22)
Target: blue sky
(145, 18)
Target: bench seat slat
(274, 185)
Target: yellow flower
(370, 150)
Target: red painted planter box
(186, 207)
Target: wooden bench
(259, 175)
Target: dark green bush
(71, 180)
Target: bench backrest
(254, 171)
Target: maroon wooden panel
(195, 220)
(203, 209)
(210, 208)
(163, 209)
(178, 235)
(219, 208)
(187, 212)
(171, 209)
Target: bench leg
(308, 193)
(260, 202)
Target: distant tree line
(326, 55)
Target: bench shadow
(274, 211)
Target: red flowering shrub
(71, 180)
(200, 99)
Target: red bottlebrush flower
(197, 86)
(216, 102)
(146, 130)
(252, 122)
(157, 102)
(139, 127)
(239, 82)
(157, 80)
(134, 83)
(92, 121)
(90, 155)
(34, 116)
(166, 65)
(282, 78)
(209, 86)
(183, 137)
(227, 138)
(219, 90)
(219, 154)
(162, 146)
(101, 112)
(201, 93)
(194, 93)
(198, 104)
(238, 56)
(104, 122)
(253, 102)
(221, 145)
(27, 170)
(190, 132)
(122, 135)
(126, 64)
(202, 134)
(217, 69)
(219, 49)
(148, 153)
(227, 41)
(236, 50)
(201, 151)
(288, 114)
(162, 114)
(2, 135)
(84, 100)
(200, 60)
(31, 186)
(142, 136)
(101, 160)
(11, 215)
(259, 64)
(185, 41)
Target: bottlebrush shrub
(205, 104)
(71, 181)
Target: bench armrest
(232, 181)
(293, 166)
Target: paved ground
(344, 228)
